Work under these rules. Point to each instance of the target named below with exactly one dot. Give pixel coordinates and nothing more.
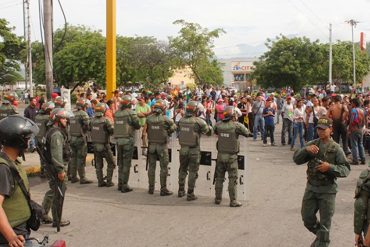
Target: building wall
(234, 66)
(181, 77)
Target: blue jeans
(298, 129)
(259, 121)
(310, 132)
(358, 151)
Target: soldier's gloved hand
(313, 149)
(323, 167)
(61, 176)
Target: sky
(247, 23)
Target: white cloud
(247, 22)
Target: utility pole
(48, 33)
(29, 48)
(353, 24)
(330, 55)
(111, 47)
(25, 39)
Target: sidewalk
(32, 163)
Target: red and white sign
(362, 41)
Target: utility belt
(321, 182)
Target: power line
(65, 27)
(10, 5)
(308, 19)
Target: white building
(236, 72)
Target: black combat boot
(126, 188)
(218, 197)
(62, 223)
(191, 196)
(109, 179)
(181, 192)
(151, 190)
(165, 192)
(102, 184)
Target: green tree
(79, 56)
(343, 63)
(192, 48)
(291, 62)
(143, 59)
(11, 51)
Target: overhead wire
(320, 28)
(65, 27)
(10, 5)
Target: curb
(34, 170)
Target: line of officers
(159, 128)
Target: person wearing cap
(326, 162)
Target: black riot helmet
(15, 131)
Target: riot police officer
(60, 102)
(79, 125)
(15, 132)
(326, 162)
(191, 128)
(6, 108)
(228, 145)
(159, 128)
(101, 130)
(41, 120)
(56, 154)
(125, 124)
(362, 209)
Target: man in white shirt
(287, 114)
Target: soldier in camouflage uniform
(57, 153)
(326, 162)
(59, 102)
(6, 108)
(228, 145)
(101, 130)
(79, 125)
(125, 124)
(191, 128)
(159, 128)
(361, 210)
(41, 120)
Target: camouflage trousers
(226, 163)
(323, 203)
(79, 153)
(158, 152)
(189, 162)
(48, 202)
(124, 157)
(103, 151)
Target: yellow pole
(111, 48)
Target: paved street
(270, 216)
